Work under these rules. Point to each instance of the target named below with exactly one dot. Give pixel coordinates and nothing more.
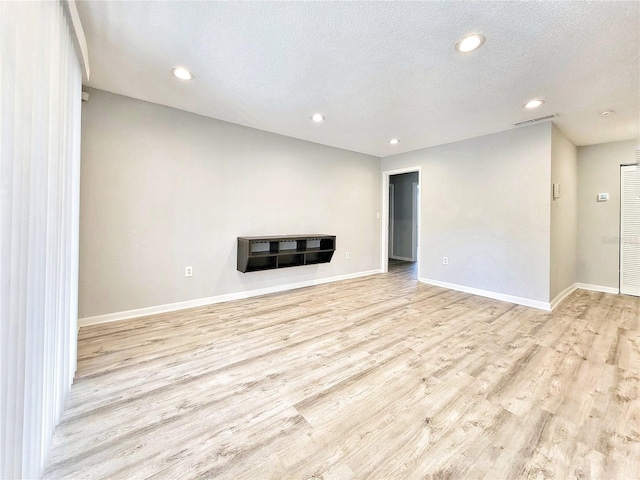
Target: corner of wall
(563, 239)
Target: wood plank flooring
(373, 378)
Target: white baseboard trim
(199, 302)
(597, 288)
(562, 295)
(527, 302)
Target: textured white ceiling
(376, 70)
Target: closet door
(630, 230)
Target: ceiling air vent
(536, 120)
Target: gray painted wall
(162, 189)
(599, 222)
(403, 214)
(485, 205)
(564, 213)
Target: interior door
(630, 230)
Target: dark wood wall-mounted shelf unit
(266, 253)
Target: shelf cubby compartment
(262, 262)
(263, 247)
(267, 253)
(287, 245)
(292, 260)
(318, 257)
(327, 244)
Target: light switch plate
(603, 197)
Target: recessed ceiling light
(470, 43)
(394, 141)
(533, 103)
(317, 117)
(182, 73)
(607, 113)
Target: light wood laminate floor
(373, 378)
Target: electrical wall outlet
(445, 260)
(346, 255)
(188, 271)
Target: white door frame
(392, 210)
(415, 220)
(384, 224)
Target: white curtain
(40, 99)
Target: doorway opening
(400, 233)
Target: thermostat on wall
(603, 197)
